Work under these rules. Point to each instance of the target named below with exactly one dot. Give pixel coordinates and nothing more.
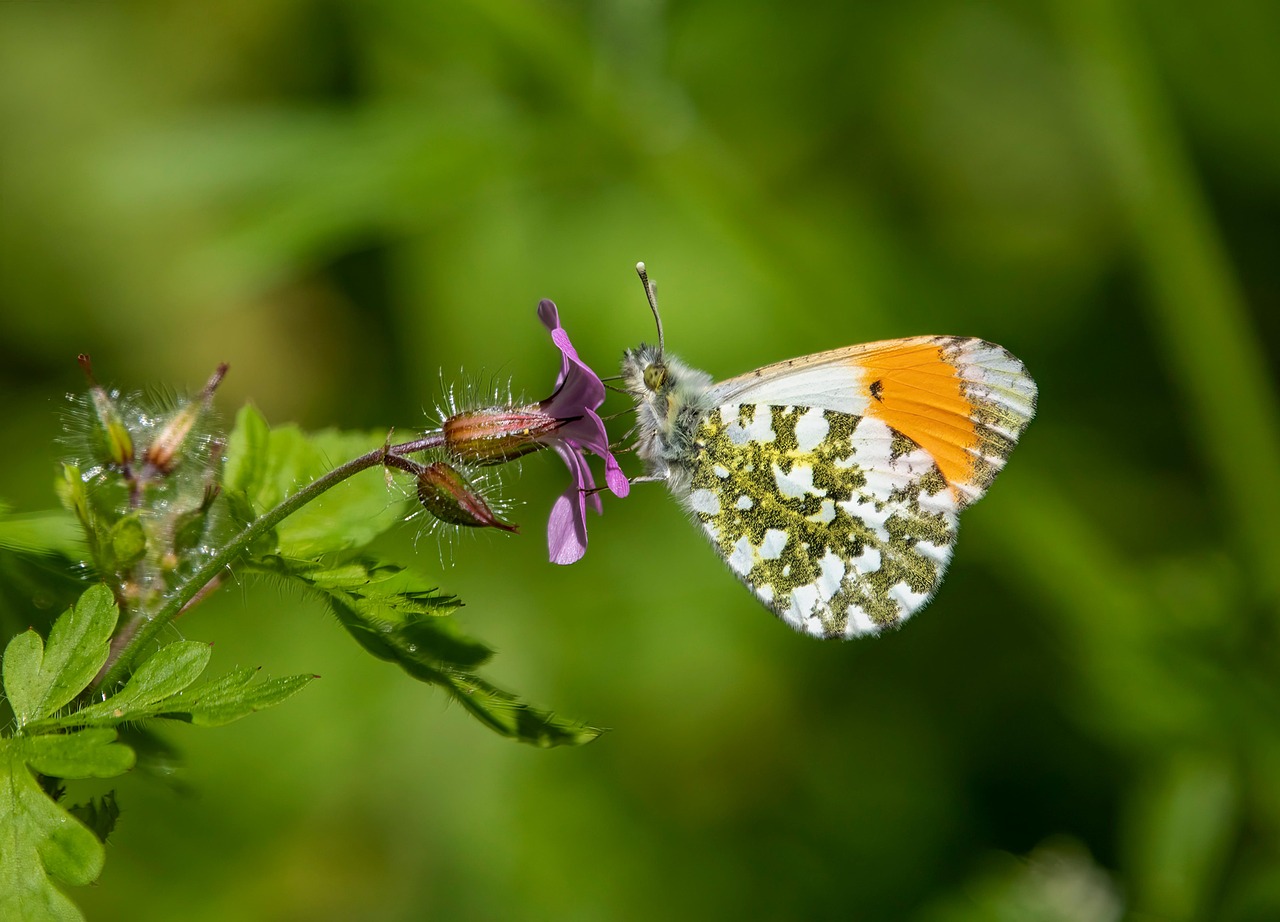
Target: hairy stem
(121, 661)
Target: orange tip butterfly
(830, 484)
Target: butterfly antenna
(651, 292)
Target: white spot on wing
(865, 512)
(868, 561)
(744, 502)
(804, 599)
(760, 429)
(939, 554)
(826, 514)
(743, 556)
(775, 539)
(860, 622)
(704, 501)
(811, 429)
(908, 599)
(796, 483)
(831, 575)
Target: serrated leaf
(99, 814)
(165, 673)
(159, 689)
(267, 465)
(41, 844)
(230, 698)
(392, 614)
(40, 678)
(509, 715)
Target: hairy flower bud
(447, 495)
(113, 432)
(164, 451)
(496, 435)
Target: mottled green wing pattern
(837, 522)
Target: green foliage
(397, 618)
(392, 612)
(40, 679)
(266, 465)
(43, 844)
(146, 519)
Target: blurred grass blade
(1195, 300)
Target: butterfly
(830, 484)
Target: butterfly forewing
(837, 523)
(964, 401)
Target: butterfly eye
(655, 376)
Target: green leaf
(75, 498)
(266, 465)
(504, 712)
(41, 844)
(54, 532)
(82, 754)
(396, 617)
(99, 815)
(40, 679)
(168, 671)
(231, 697)
(160, 689)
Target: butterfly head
(669, 398)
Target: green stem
(116, 671)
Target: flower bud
(113, 433)
(496, 435)
(445, 494)
(163, 452)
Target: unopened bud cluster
(450, 488)
(143, 485)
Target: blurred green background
(343, 197)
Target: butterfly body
(831, 484)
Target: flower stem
(119, 666)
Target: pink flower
(579, 392)
(566, 421)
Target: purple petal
(550, 318)
(566, 530)
(585, 483)
(567, 525)
(579, 391)
(614, 478)
(576, 385)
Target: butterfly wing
(831, 484)
(964, 401)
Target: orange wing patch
(964, 401)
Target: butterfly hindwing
(837, 523)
